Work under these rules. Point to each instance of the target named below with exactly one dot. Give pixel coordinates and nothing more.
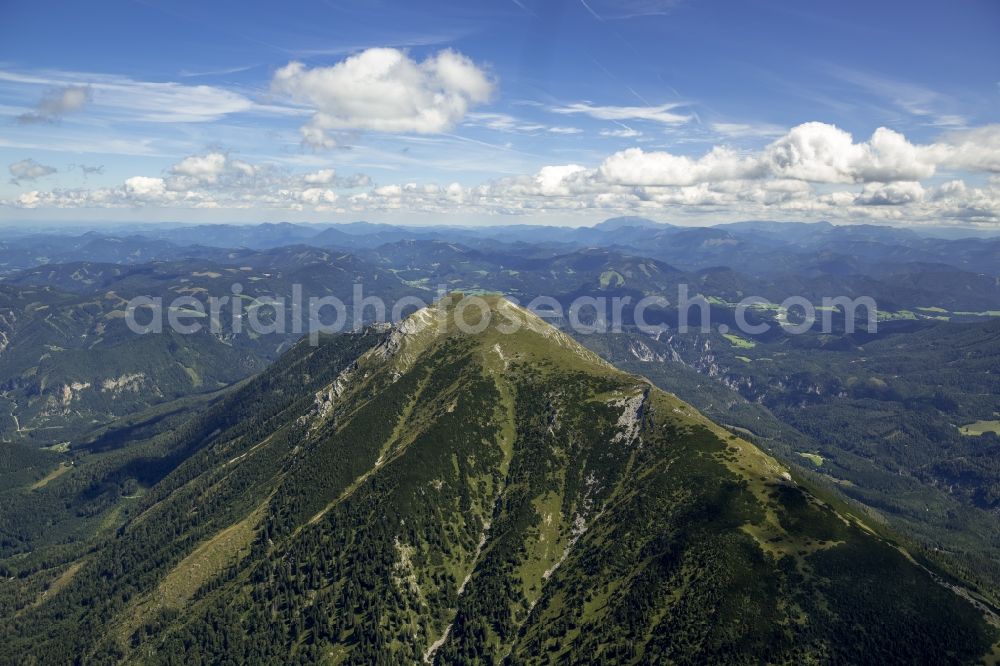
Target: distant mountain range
(764, 248)
(62, 324)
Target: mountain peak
(472, 486)
(490, 322)
(624, 222)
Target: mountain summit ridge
(425, 493)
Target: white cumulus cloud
(824, 153)
(813, 171)
(813, 152)
(636, 167)
(321, 177)
(205, 168)
(384, 90)
(145, 188)
(552, 180)
(891, 194)
(974, 150)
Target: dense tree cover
(20, 464)
(115, 569)
(882, 412)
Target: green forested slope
(475, 498)
(878, 416)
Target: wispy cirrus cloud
(929, 106)
(663, 113)
(503, 122)
(134, 100)
(90, 145)
(747, 130)
(614, 10)
(190, 74)
(621, 133)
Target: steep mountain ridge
(474, 491)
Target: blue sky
(508, 111)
